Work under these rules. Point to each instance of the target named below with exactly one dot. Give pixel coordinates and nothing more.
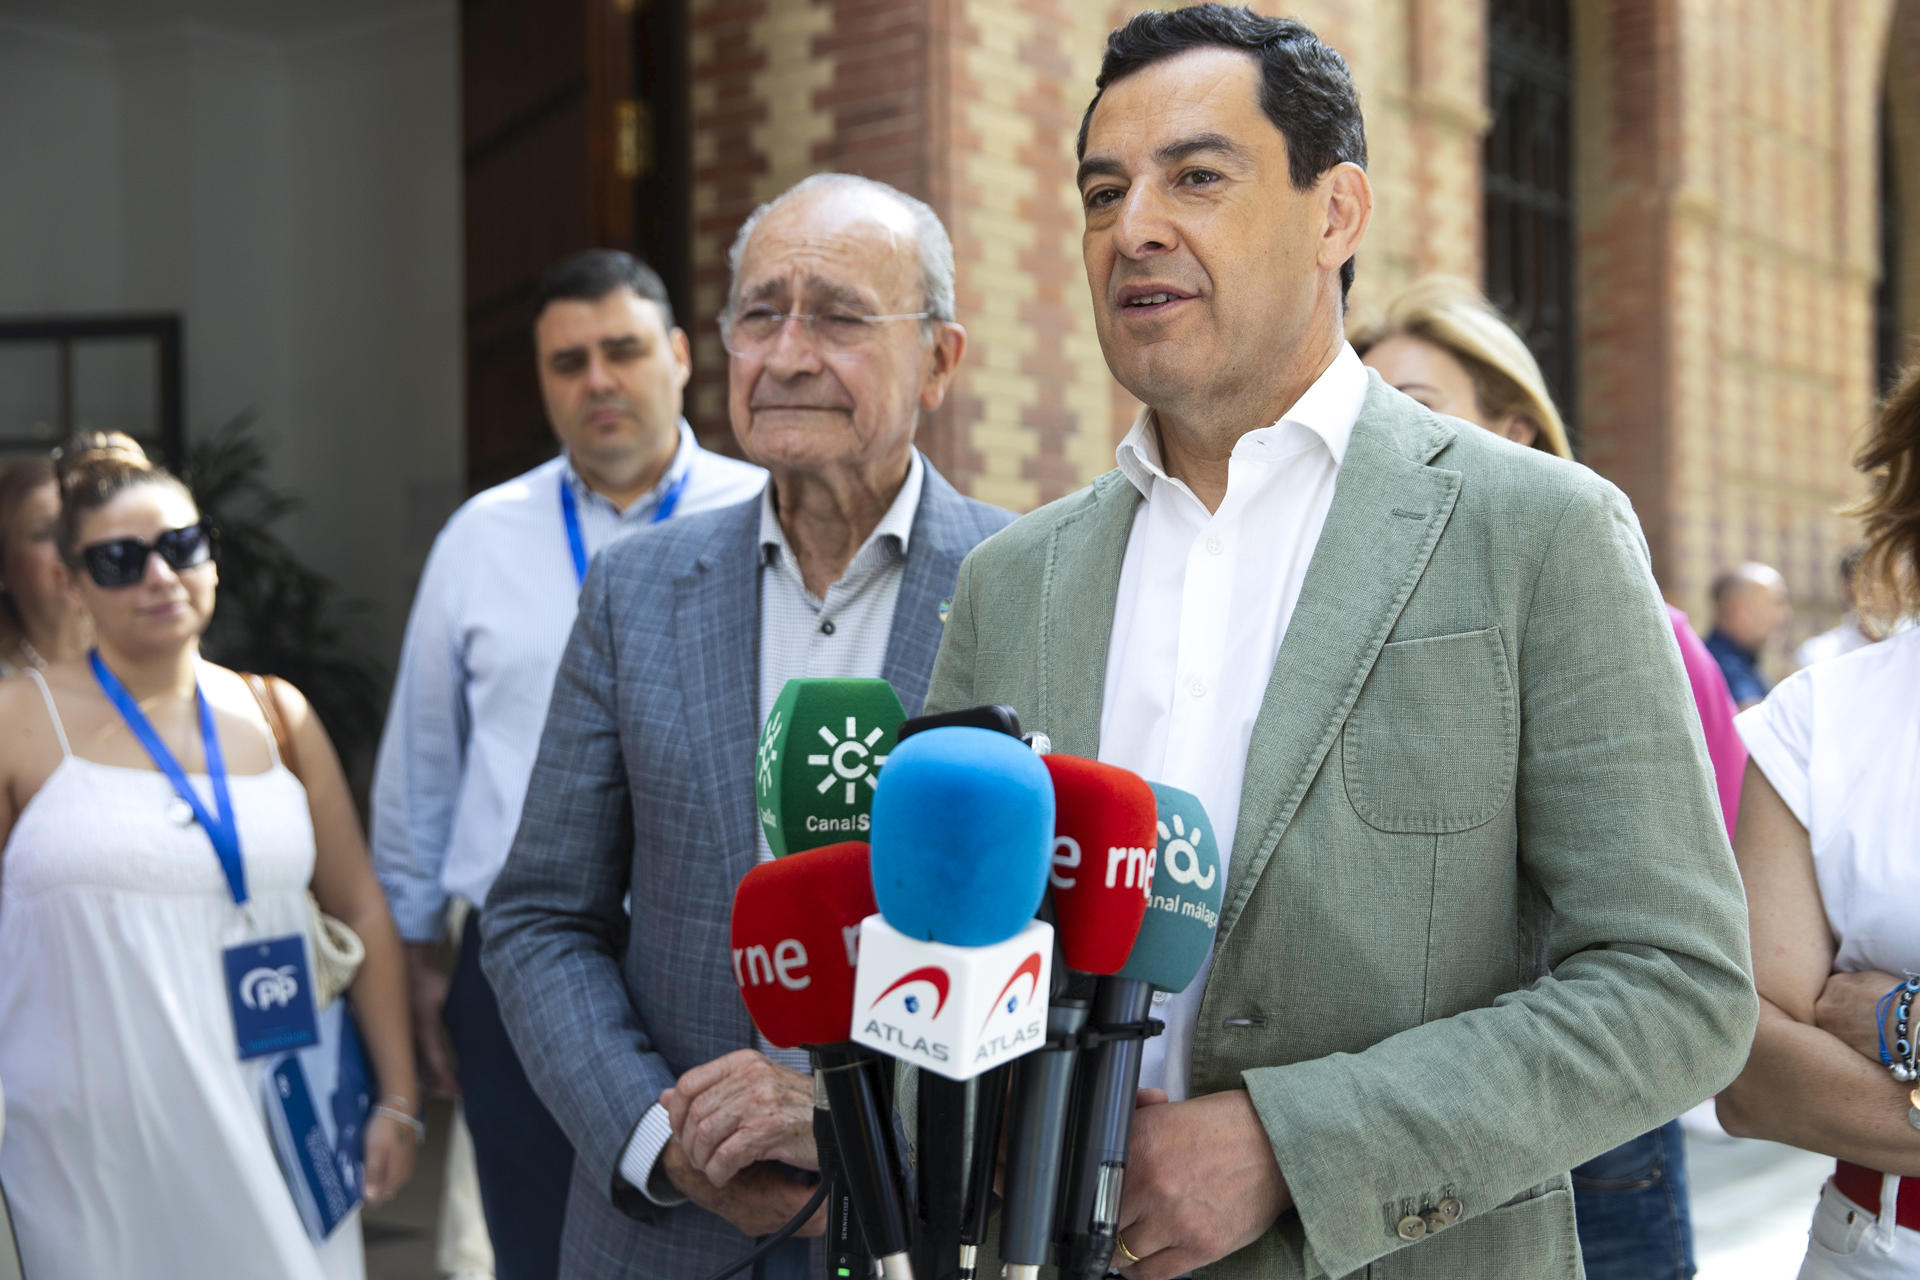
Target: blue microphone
(954, 974)
(962, 832)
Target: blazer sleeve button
(1411, 1227)
(1451, 1210)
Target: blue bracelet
(1880, 1021)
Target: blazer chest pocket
(1429, 746)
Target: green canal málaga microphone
(1175, 938)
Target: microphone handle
(846, 1248)
(944, 1151)
(865, 1146)
(989, 1109)
(1103, 1127)
(1036, 1129)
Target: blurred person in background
(1750, 606)
(1442, 343)
(1853, 631)
(1826, 843)
(137, 1136)
(40, 619)
(484, 638)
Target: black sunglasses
(123, 561)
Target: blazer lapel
(1077, 598)
(717, 631)
(1388, 510)
(934, 551)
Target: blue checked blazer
(644, 783)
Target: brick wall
(1728, 254)
(1902, 105)
(1727, 234)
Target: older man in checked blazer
(687, 1137)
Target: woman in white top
(1829, 845)
(137, 1135)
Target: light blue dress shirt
(484, 639)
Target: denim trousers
(1630, 1205)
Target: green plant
(277, 615)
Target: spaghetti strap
(53, 714)
(269, 708)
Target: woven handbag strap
(276, 723)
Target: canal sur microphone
(1175, 938)
(795, 937)
(819, 760)
(1101, 878)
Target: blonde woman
(1439, 341)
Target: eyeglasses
(123, 561)
(753, 331)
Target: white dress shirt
(1204, 602)
(489, 623)
(843, 636)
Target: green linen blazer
(1482, 921)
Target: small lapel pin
(946, 607)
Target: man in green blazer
(1481, 920)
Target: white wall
(60, 229)
(376, 421)
(297, 200)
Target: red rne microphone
(796, 950)
(1100, 881)
(796, 942)
(1104, 853)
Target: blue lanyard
(220, 826)
(570, 515)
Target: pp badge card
(271, 997)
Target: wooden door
(571, 127)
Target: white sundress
(137, 1141)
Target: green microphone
(819, 761)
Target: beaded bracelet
(1904, 1061)
(403, 1115)
(1901, 1060)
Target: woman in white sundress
(149, 837)
(1829, 846)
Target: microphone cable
(761, 1250)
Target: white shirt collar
(896, 525)
(1328, 411)
(682, 462)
